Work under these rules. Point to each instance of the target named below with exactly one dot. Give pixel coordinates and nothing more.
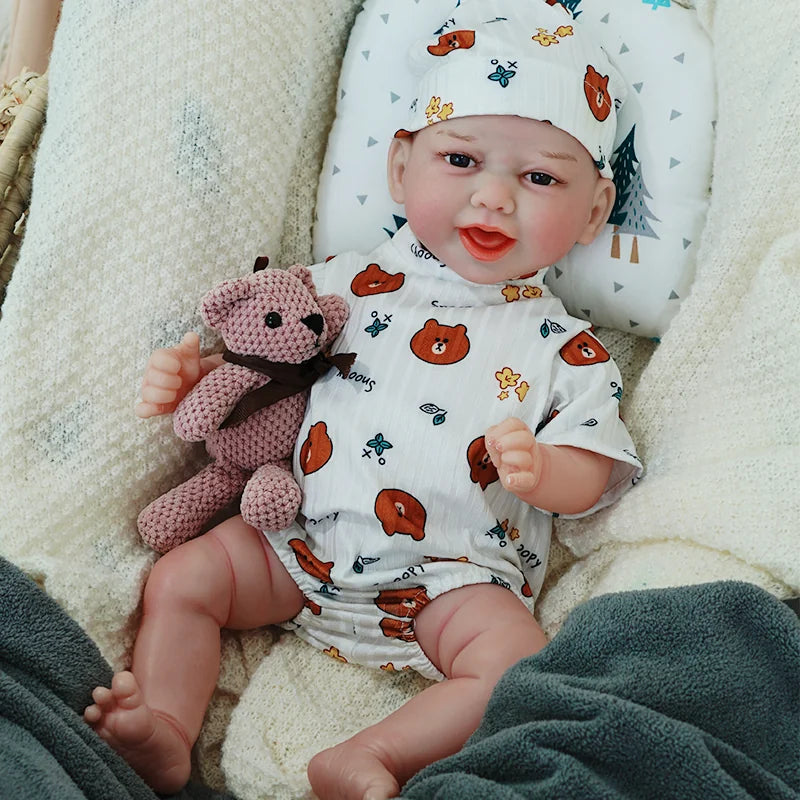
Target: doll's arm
(211, 400)
(557, 478)
(170, 374)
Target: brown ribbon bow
(285, 379)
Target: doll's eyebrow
(546, 153)
(559, 156)
(453, 135)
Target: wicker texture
(22, 113)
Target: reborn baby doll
(476, 410)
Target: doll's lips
(484, 243)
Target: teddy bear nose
(314, 322)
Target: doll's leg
(472, 635)
(229, 577)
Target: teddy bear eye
(273, 319)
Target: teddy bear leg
(182, 513)
(271, 499)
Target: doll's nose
(315, 322)
(494, 193)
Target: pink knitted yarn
(276, 315)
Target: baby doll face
(497, 197)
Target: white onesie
(400, 501)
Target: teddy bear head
(275, 314)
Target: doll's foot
(153, 744)
(351, 771)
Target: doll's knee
(195, 575)
(478, 631)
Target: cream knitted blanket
(183, 139)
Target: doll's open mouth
(485, 244)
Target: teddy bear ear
(304, 273)
(262, 262)
(217, 304)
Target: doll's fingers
(521, 460)
(145, 410)
(189, 354)
(162, 380)
(491, 449)
(506, 426)
(519, 481)
(155, 394)
(190, 344)
(164, 361)
(516, 440)
(496, 432)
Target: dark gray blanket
(673, 694)
(48, 668)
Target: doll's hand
(169, 375)
(516, 454)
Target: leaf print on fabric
(501, 75)
(437, 413)
(379, 444)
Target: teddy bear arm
(211, 400)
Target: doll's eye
(458, 160)
(541, 178)
(273, 319)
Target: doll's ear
(396, 163)
(217, 304)
(304, 273)
(604, 194)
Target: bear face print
(440, 344)
(405, 602)
(316, 449)
(584, 349)
(481, 468)
(374, 280)
(595, 86)
(402, 629)
(314, 608)
(400, 512)
(321, 570)
(452, 40)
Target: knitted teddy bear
(276, 330)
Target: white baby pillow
(634, 274)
